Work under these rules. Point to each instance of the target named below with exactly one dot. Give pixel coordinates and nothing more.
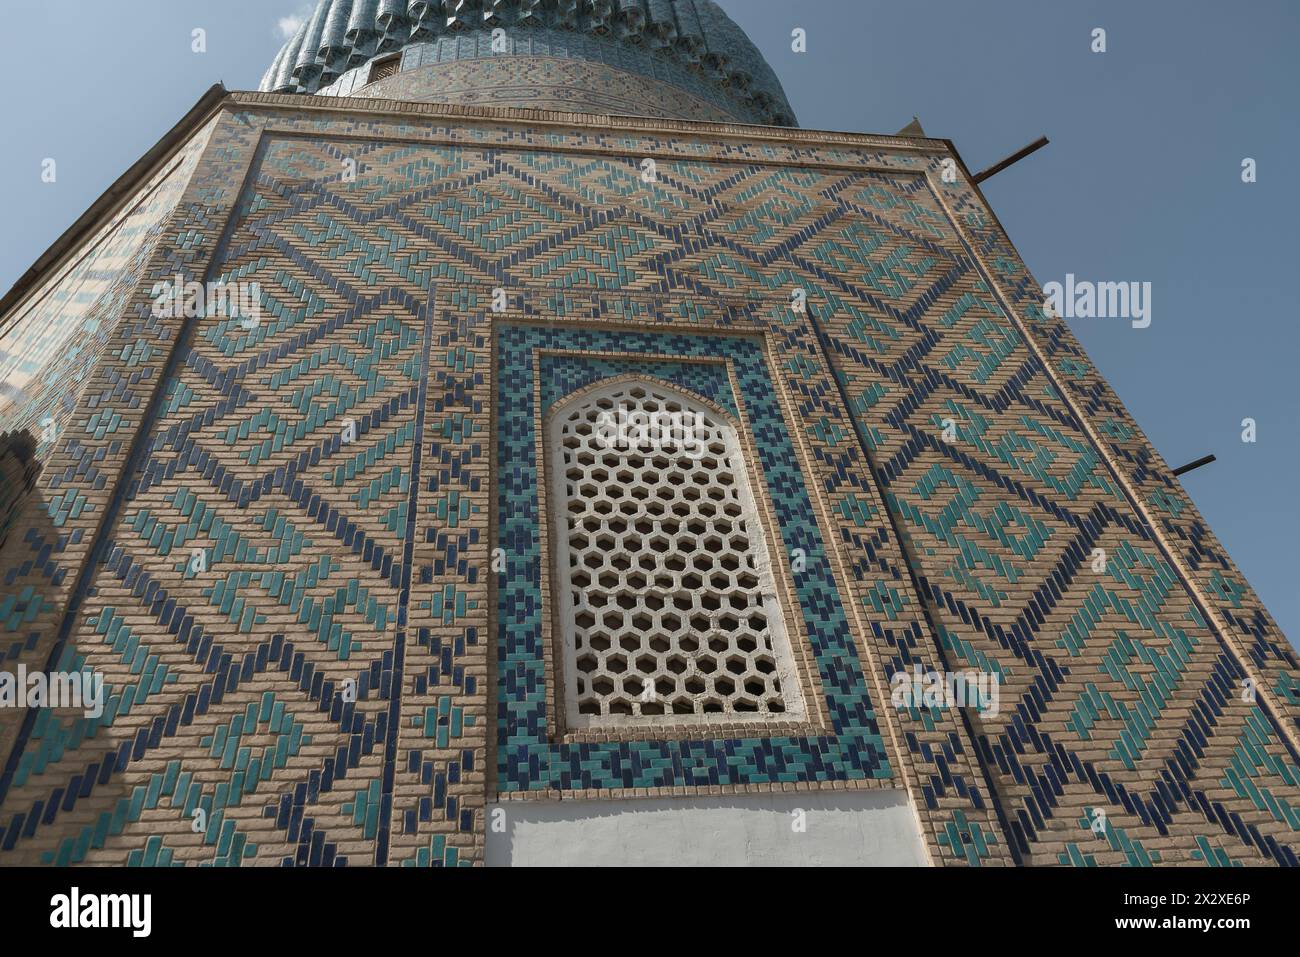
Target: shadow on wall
(19, 470)
(55, 761)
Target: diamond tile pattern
(350, 679)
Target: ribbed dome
(689, 44)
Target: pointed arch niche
(668, 612)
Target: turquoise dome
(690, 45)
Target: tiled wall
(347, 681)
(847, 749)
(52, 340)
(543, 83)
(19, 469)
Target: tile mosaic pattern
(367, 563)
(526, 759)
(1115, 689)
(45, 557)
(1226, 597)
(50, 344)
(19, 469)
(541, 82)
(691, 44)
(48, 559)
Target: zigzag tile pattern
(1242, 617)
(45, 560)
(1116, 692)
(329, 690)
(52, 342)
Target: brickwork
(50, 343)
(544, 83)
(47, 560)
(348, 681)
(19, 469)
(591, 56)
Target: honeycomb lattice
(668, 603)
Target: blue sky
(1141, 182)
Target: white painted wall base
(856, 828)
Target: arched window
(668, 608)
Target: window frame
(803, 712)
(380, 65)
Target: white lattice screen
(668, 605)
